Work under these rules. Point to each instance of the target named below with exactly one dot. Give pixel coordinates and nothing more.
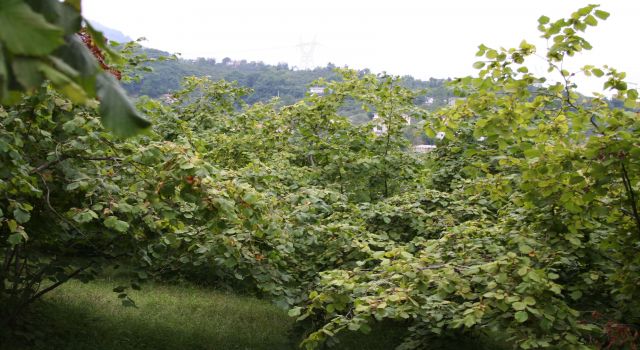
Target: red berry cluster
(97, 53)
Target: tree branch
(631, 194)
(65, 157)
(57, 284)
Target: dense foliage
(49, 40)
(521, 227)
(534, 238)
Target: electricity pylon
(306, 53)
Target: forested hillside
(266, 81)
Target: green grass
(89, 316)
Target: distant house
(168, 99)
(380, 128)
(452, 100)
(316, 90)
(423, 148)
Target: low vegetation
(520, 230)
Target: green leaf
(63, 67)
(59, 14)
(250, 198)
(186, 166)
(85, 216)
(295, 312)
(13, 225)
(478, 65)
(76, 55)
(118, 113)
(429, 131)
(77, 4)
(630, 103)
(15, 239)
(25, 32)
(330, 308)
(127, 302)
(201, 250)
(118, 225)
(602, 14)
(521, 316)
(620, 85)
(75, 60)
(469, 320)
(525, 249)
(597, 72)
(31, 72)
(27, 72)
(518, 305)
(584, 10)
(64, 84)
(543, 20)
(21, 216)
(353, 326)
(590, 20)
(571, 338)
(575, 295)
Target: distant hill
(266, 81)
(110, 33)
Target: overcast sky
(422, 38)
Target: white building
(380, 128)
(316, 90)
(423, 148)
(452, 100)
(168, 99)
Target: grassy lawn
(89, 316)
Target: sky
(422, 38)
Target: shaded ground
(89, 316)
